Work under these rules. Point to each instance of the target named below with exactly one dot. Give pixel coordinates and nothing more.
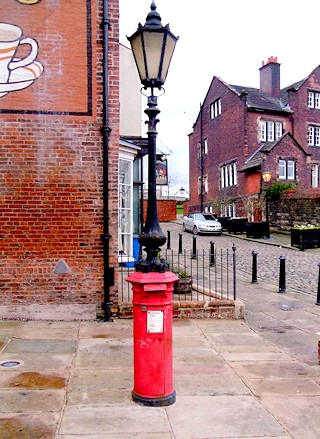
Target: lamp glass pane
(137, 49)
(153, 46)
(170, 45)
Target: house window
(270, 130)
(314, 175)
(313, 99)
(313, 135)
(205, 184)
(125, 207)
(228, 175)
(215, 109)
(205, 146)
(286, 169)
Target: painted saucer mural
(22, 77)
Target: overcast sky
(228, 39)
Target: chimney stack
(270, 77)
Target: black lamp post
(152, 46)
(266, 177)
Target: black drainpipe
(108, 271)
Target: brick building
(59, 148)
(241, 132)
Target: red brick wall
(51, 162)
(167, 210)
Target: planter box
(257, 229)
(236, 225)
(183, 286)
(307, 238)
(223, 221)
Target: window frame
(228, 175)
(315, 175)
(215, 109)
(287, 169)
(313, 135)
(270, 130)
(313, 99)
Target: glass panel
(124, 221)
(310, 136)
(125, 198)
(290, 169)
(262, 130)
(270, 131)
(169, 49)
(317, 136)
(153, 46)
(136, 45)
(310, 99)
(314, 175)
(124, 172)
(282, 169)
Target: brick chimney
(270, 77)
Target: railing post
(234, 273)
(194, 247)
(254, 266)
(180, 242)
(282, 277)
(168, 240)
(211, 253)
(318, 294)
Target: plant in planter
(184, 284)
(305, 236)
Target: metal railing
(203, 275)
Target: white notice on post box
(155, 321)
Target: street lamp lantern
(152, 46)
(266, 177)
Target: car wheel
(195, 230)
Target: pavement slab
(221, 417)
(132, 418)
(298, 415)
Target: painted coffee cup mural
(17, 73)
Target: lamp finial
(153, 19)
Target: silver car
(201, 223)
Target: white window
(314, 175)
(262, 131)
(278, 130)
(310, 99)
(270, 130)
(290, 170)
(205, 146)
(287, 169)
(313, 99)
(223, 184)
(313, 135)
(228, 175)
(205, 184)
(125, 207)
(282, 169)
(215, 109)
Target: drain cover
(10, 364)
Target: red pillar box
(152, 326)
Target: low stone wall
(294, 208)
(214, 309)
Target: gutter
(108, 272)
